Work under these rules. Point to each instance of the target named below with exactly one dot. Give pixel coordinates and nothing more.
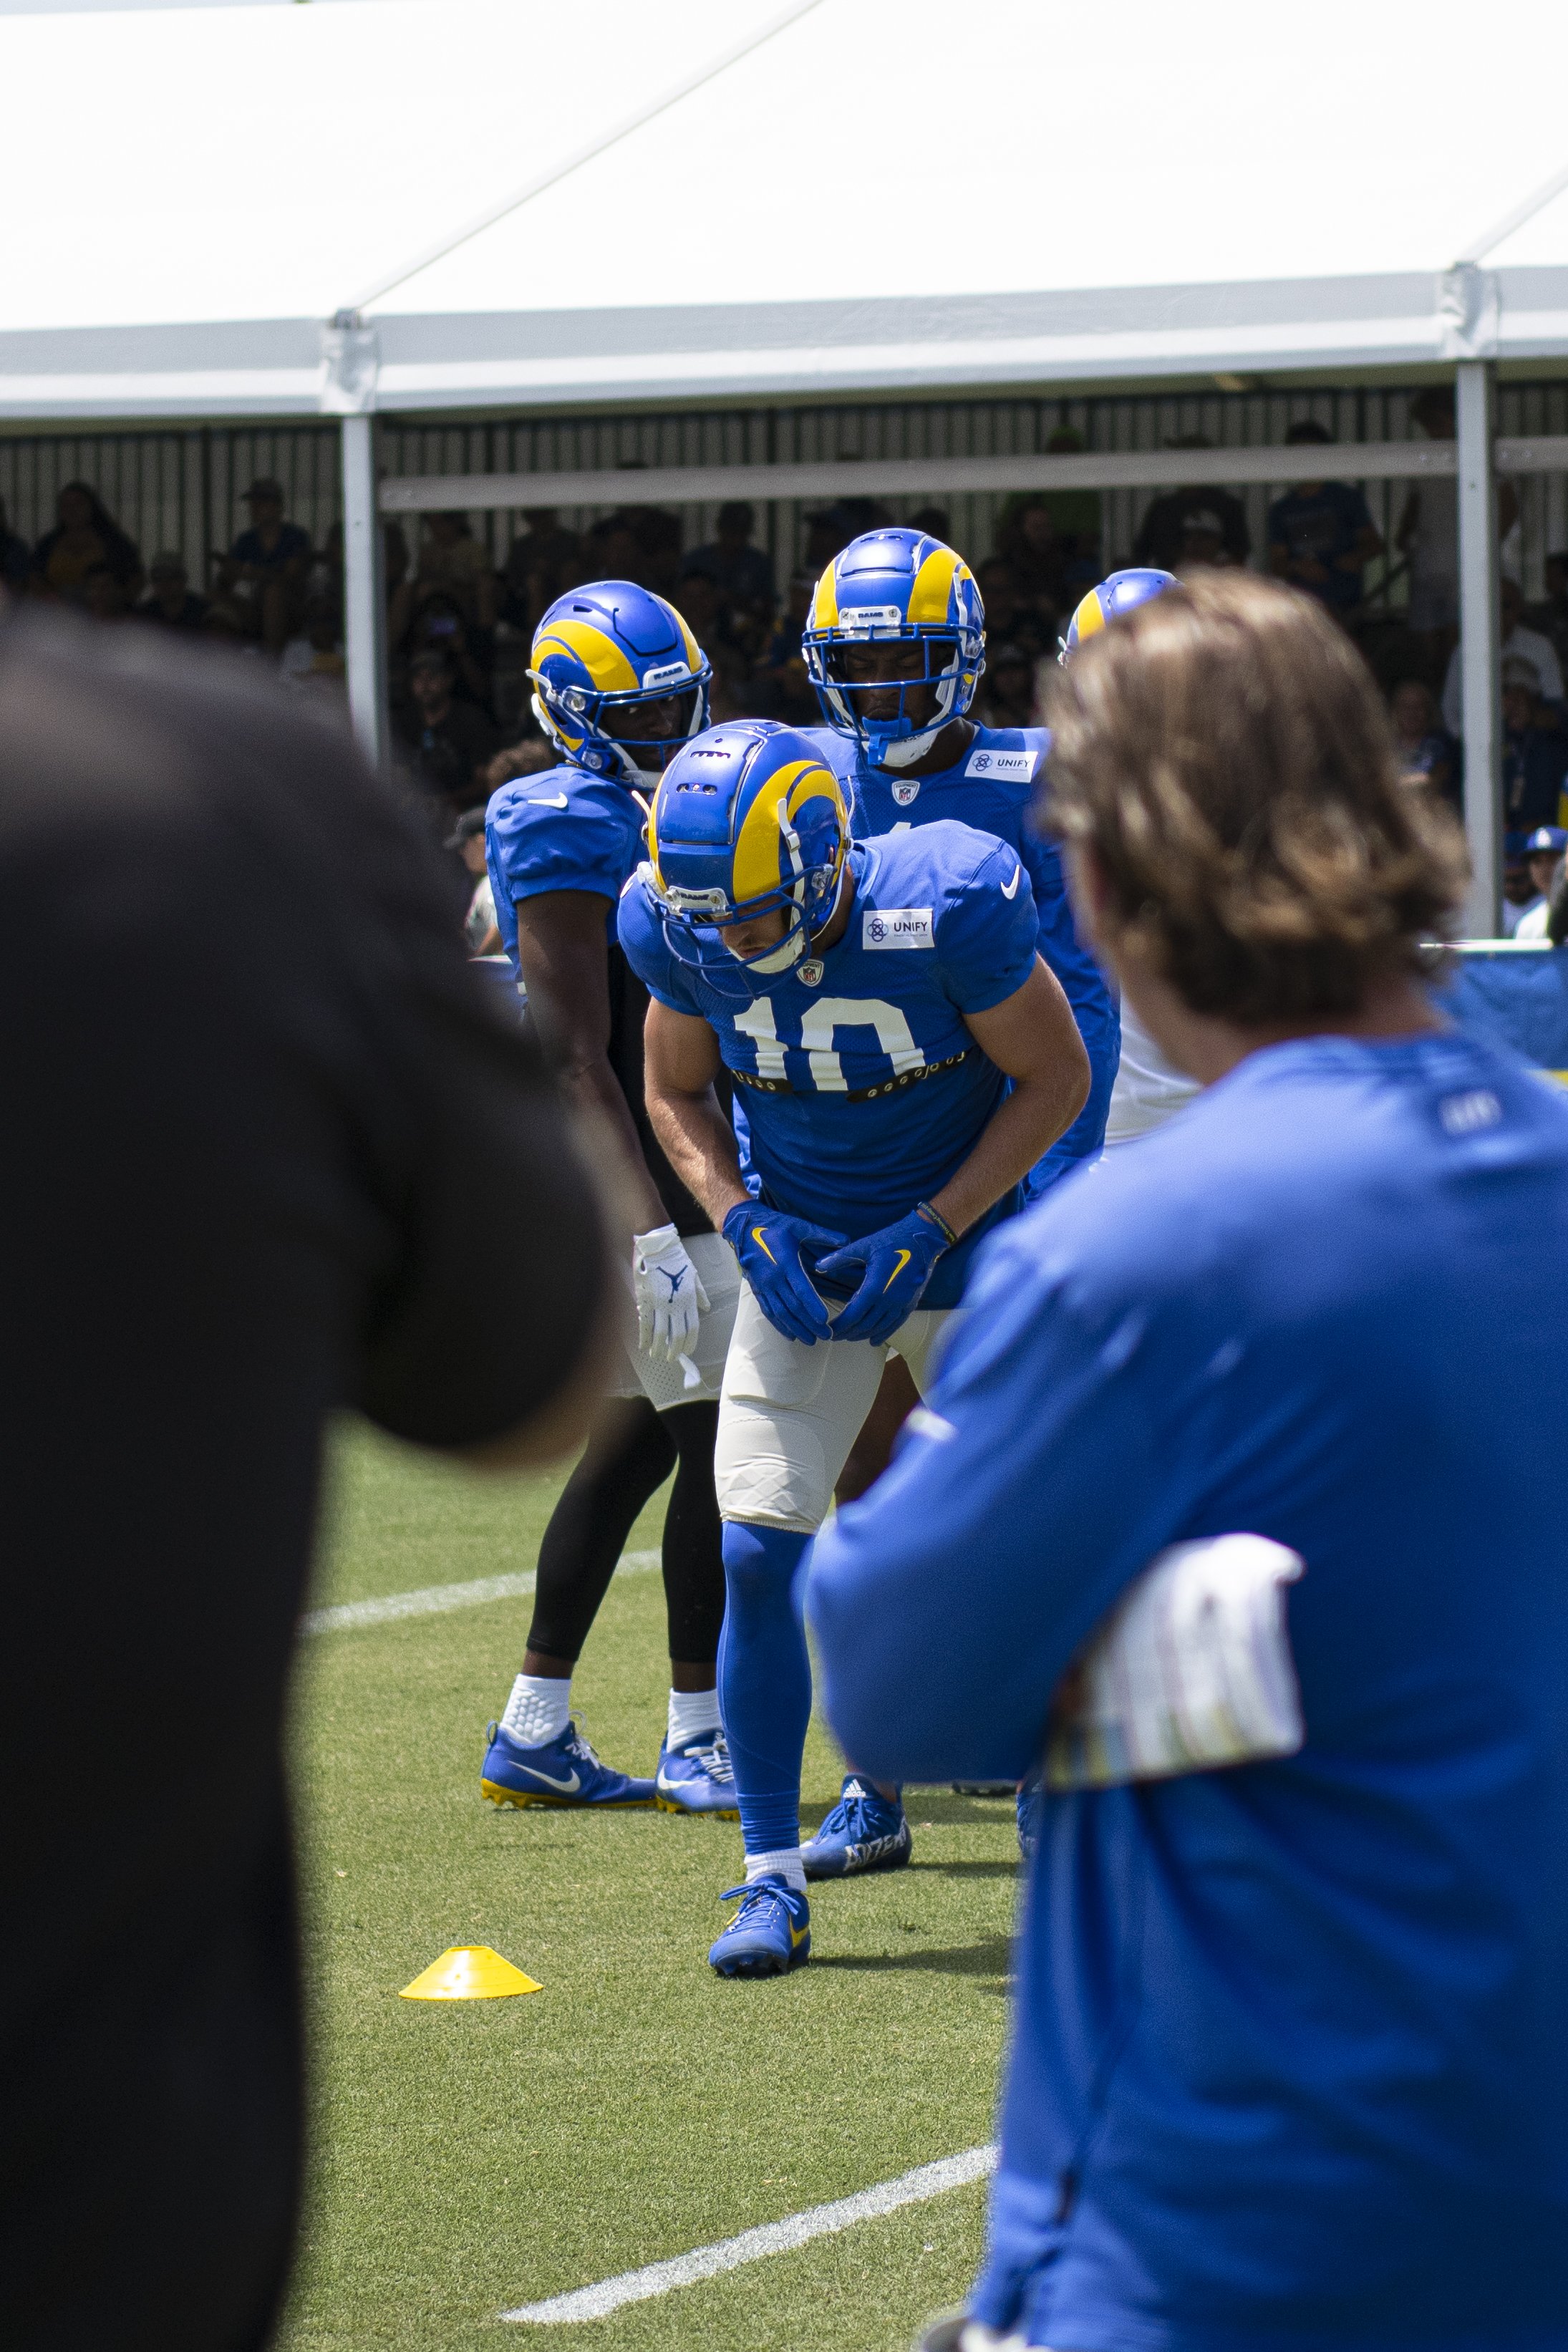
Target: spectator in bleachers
(1518, 889)
(829, 529)
(1079, 519)
(699, 602)
(1544, 859)
(15, 557)
(1026, 539)
(780, 687)
(1183, 526)
(936, 522)
(1517, 643)
(449, 742)
(103, 595)
(654, 532)
(1550, 616)
(265, 572)
(170, 600)
(742, 574)
(454, 563)
(1007, 689)
(532, 572)
(1427, 753)
(1008, 618)
(313, 661)
(1534, 750)
(1321, 536)
(438, 625)
(85, 534)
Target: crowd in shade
(460, 626)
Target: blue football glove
(777, 1256)
(894, 1267)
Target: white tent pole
(364, 601)
(1479, 645)
(598, 146)
(1537, 201)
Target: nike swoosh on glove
(669, 1293)
(777, 1256)
(894, 1267)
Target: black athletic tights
(631, 1452)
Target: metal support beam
(1478, 655)
(364, 595)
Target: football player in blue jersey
(906, 1057)
(619, 684)
(895, 646)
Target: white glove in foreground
(668, 1294)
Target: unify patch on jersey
(1012, 767)
(897, 927)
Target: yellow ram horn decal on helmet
(603, 659)
(755, 868)
(931, 596)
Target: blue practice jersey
(564, 831)
(992, 788)
(572, 831)
(864, 1091)
(1289, 2069)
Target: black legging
(631, 1450)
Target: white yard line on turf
(773, 2237)
(431, 1598)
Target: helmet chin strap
(908, 748)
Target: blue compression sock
(765, 1679)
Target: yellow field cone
(468, 1972)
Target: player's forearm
(1023, 1126)
(700, 1145)
(592, 1087)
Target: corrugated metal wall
(181, 488)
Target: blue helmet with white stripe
(905, 588)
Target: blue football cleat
(698, 1779)
(563, 1771)
(769, 1935)
(864, 1831)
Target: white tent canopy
(883, 193)
(739, 199)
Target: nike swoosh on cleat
(1010, 889)
(567, 1788)
(904, 1257)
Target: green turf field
(471, 2157)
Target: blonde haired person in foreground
(1245, 1448)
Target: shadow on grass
(968, 1869)
(988, 1958)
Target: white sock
(784, 1864)
(538, 1709)
(691, 1714)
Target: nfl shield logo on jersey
(904, 793)
(810, 971)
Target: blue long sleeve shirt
(1290, 2065)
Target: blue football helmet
(898, 587)
(1121, 593)
(613, 646)
(746, 819)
